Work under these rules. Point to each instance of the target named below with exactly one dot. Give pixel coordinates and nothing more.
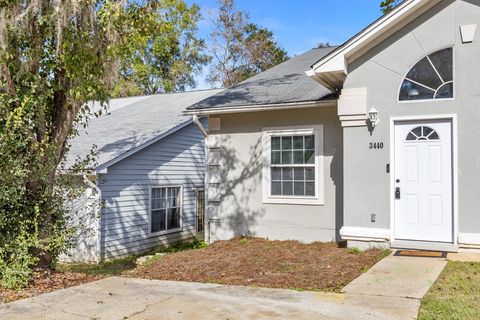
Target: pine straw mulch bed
(263, 263)
(44, 281)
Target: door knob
(397, 193)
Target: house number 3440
(375, 145)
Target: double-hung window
(293, 165)
(165, 209)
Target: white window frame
(267, 133)
(152, 234)
(430, 100)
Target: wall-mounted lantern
(373, 117)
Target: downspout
(94, 186)
(200, 126)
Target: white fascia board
(103, 168)
(337, 60)
(263, 107)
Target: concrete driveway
(392, 290)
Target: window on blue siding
(430, 78)
(165, 209)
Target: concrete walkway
(390, 290)
(400, 277)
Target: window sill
(294, 201)
(162, 233)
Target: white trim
(468, 33)
(332, 69)
(364, 234)
(469, 240)
(264, 107)
(424, 245)
(161, 233)
(375, 29)
(316, 130)
(103, 168)
(453, 119)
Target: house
(148, 177)
(375, 142)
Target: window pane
(287, 188)
(176, 197)
(310, 174)
(310, 188)
(163, 198)
(286, 143)
(443, 62)
(309, 142)
(173, 218)
(276, 189)
(411, 137)
(299, 188)
(170, 200)
(276, 174)
(158, 221)
(412, 91)
(275, 157)
(286, 157)
(427, 131)
(299, 174)
(275, 143)
(417, 131)
(445, 91)
(298, 157)
(298, 142)
(309, 156)
(434, 136)
(424, 73)
(287, 174)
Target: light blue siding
(178, 159)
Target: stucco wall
(241, 211)
(381, 71)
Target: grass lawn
(455, 295)
(263, 263)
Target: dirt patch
(263, 263)
(44, 281)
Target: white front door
(423, 181)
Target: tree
(388, 5)
(240, 49)
(54, 57)
(166, 58)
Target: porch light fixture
(373, 117)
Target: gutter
(264, 107)
(94, 186)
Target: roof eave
(334, 64)
(263, 107)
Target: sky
(299, 25)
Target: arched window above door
(430, 78)
(422, 133)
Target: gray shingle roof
(284, 83)
(132, 122)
